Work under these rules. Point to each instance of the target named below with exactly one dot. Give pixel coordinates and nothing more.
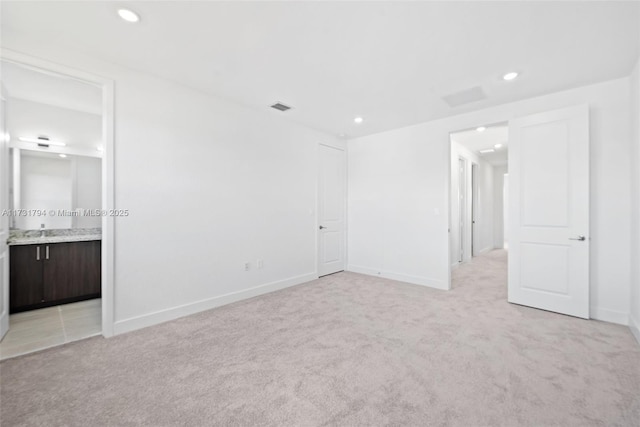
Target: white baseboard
(634, 325)
(416, 280)
(606, 315)
(139, 322)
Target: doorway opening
(57, 187)
(479, 164)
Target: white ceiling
(78, 130)
(50, 89)
(475, 141)
(46, 104)
(390, 62)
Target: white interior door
(4, 219)
(475, 230)
(462, 203)
(549, 211)
(331, 210)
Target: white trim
(108, 187)
(316, 221)
(346, 206)
(416, 280)
(634, 325)
(607, 315)
(108, 202)
(447, 189)
(151, 319)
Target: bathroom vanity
(60, 267)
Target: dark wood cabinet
(25, 276)
(53, 273)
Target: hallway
(486, 271)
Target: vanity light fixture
(481, 128)
(497, 146)
(510, 76)
(358, 120)
(128, 15)
(42, 141)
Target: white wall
(398, 206)
(634, 318)
(87, 190)
(209, 185)
(399, 194)
(485, 207)
(498, 205)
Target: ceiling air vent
(467, 96)
(280, 106)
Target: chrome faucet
(41, 230)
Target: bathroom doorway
(58, 145)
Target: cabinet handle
(46, 253)
(37, 253)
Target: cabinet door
(25, 276)
(71, 270)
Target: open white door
(331, 210)
(549, 211)
(4, 219)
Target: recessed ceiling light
(62, 155)
(99, 148)
(41, 140)
(481, 128)
(497, 146)
(510, 76)
(488, 150)
(128, 15)
(358, 120)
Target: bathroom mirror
(54, 189)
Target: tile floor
(35, 330)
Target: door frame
(108, 167)
(474, 120)
(478, 119)
(316, 222)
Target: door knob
(322, 227)
(581, 238)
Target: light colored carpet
(346, 349)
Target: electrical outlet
(247, 266)
(259, 263)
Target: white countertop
(32, 237)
